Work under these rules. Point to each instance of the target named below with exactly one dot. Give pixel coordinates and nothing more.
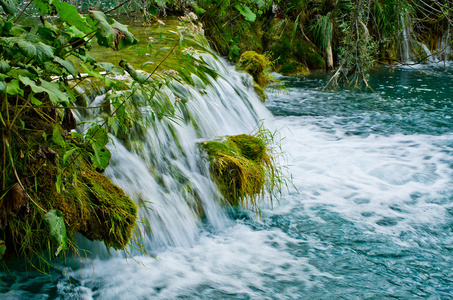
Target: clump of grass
(255, 65)
(245, 168)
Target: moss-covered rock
(254, 64)
(294, 68)
(88, 201)
(238, 166)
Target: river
(370, 215)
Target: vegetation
(347, 36)
(245, 168)
(50, 182)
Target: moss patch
(294, 68)
(254, 64)
(88, 201)
(238, 166)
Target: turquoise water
(372, 217)
(375, 210)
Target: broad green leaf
(43, 52)
(67, 64)
(102, 157)
(9, 6)
(43, 5)
(198, 10)
(51, 88)
(97, 135)
(74, 32)
(46, 33)
(16, 73)
(3, 87)
(55, 95)
(105, 32)
(161, 2)
(246, 12)
(57, 229)
(4, 66)
(128, 39)
(13, 88)
(110, 68)
(91, 72)
(27, 48)
(69, 14)
(35, 101)
(56, 136)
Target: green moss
(89, 202)
(254, 64)
(113, 213)
(294, 68)
(238, 168)
(260, 92)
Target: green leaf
(56, 136)
(4, 66)
(68, 154)
(9, 6)
(3, 87)
(146, 64)
(13, 88)
(198, 10)
(91, 72)
(97, 135)
(110, 68)
(102, 157)
(105, 33)
(51, 88)
(128, 39)
(113, 124)
(69, 14)
(43, 52)
(57, 229)
(43, 5)
(246, 12)
(161, 2)
(67, 64)
(35, 101)
(27, 48)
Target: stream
(370, 215)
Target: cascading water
(164, 172)
(373, 217)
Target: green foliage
(294, 68)
(9, 6)
(57, 229)
(255, 64)
(245, 168)
(37, 75)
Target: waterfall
(164, 170)
(406, 35)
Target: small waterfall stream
(164, 171)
